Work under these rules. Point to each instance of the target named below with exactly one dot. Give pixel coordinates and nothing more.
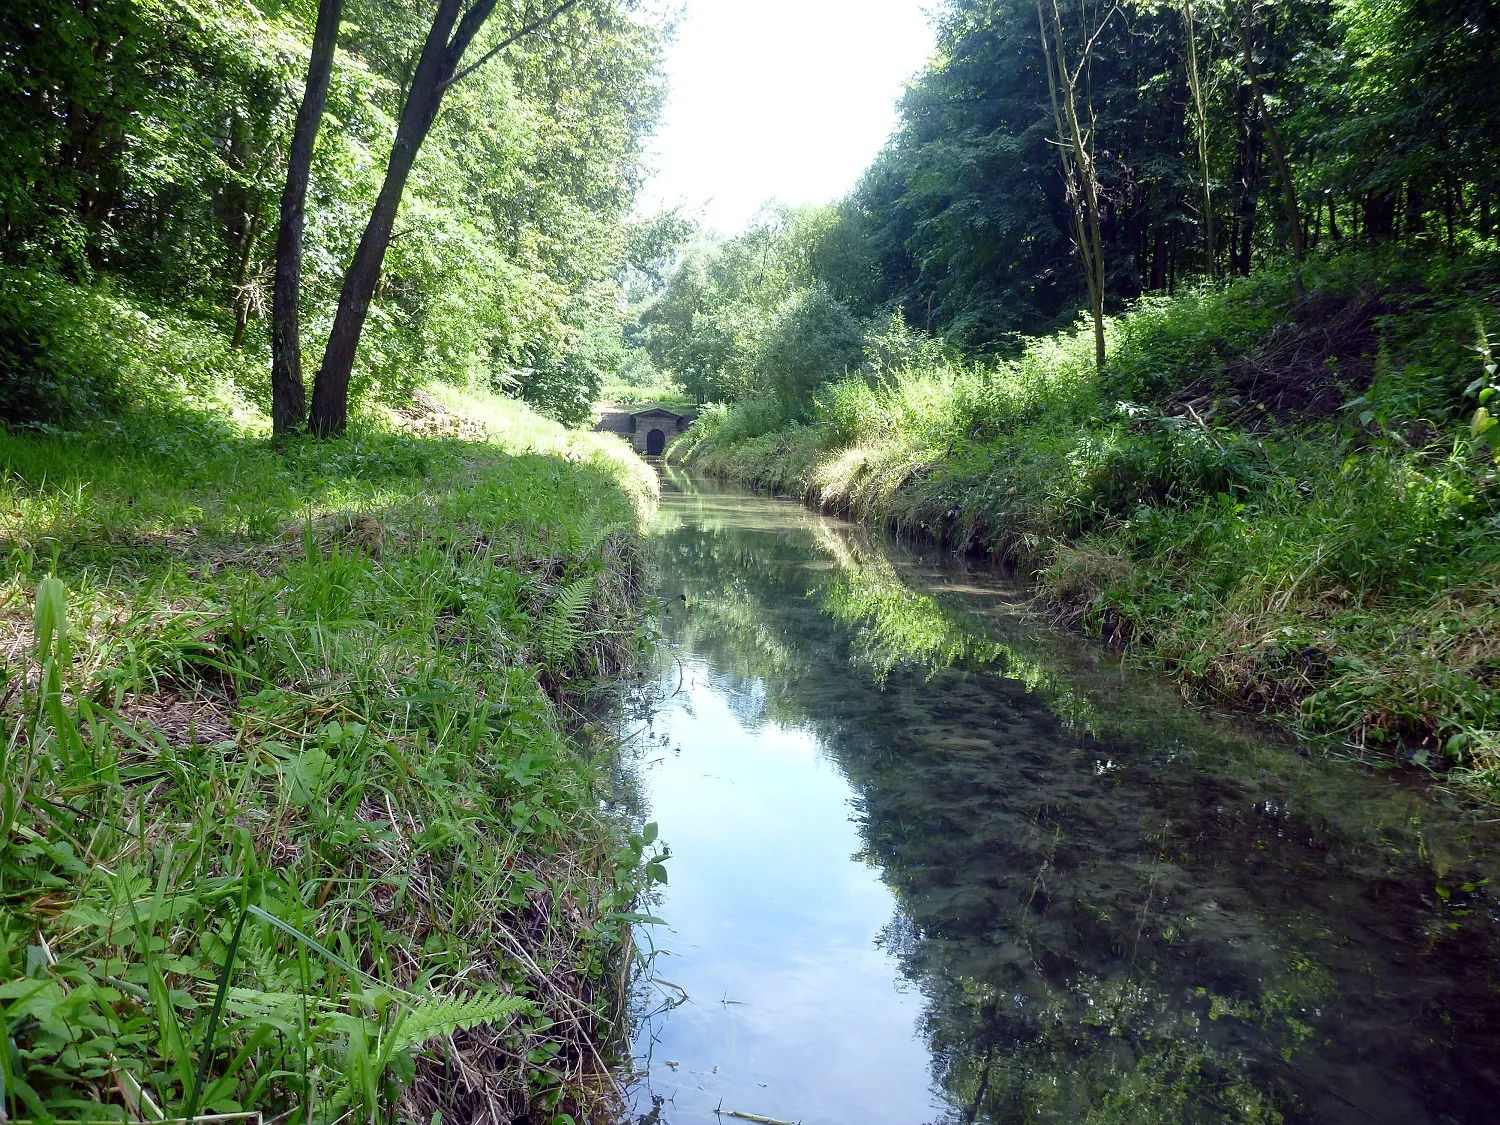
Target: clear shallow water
(934, 861)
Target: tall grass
(1337, 567)
(288, 819)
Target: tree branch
(525, 30)
(1088, 47)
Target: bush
(812, 340)
(1399, 324)
(53, 369)
(67, 353)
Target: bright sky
(783, 99)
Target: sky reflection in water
(932, 861)
(772, 929)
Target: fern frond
(560, 632)
(600, 536)
(441, 1016)
(255, 1002)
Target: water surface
(932, 860)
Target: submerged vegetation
(1112, 911)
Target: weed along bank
(648, 430)
(292, 825)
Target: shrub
(53, 369)
(812, 340)
(67, 352)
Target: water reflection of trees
(1113, 915)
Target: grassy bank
(289, 818)
(1274, 498)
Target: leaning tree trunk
(437, 70)
(330, 404)
(1200, 105)
(288, 396)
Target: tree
(1077, 153)
(812, 340)
(288, 394)
(453, 30)
(1200, 114)
(1273, 138)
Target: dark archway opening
(656, 441)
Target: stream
(935, 860)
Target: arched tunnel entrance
(656, 441)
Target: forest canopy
(969, 225)
(147, 144)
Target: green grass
(289, 820)
(1335, 562)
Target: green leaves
(50, 624)
(562, 630)
(1484, 426)
(308, 775)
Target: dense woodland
(147, 150)
(1213, 140)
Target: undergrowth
(1277, 499)
(289, 820)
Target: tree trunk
(1247, 169)
(1200, 105)
(330, 404)
(437, 70)
(1278, 153)
(1448, 208)
(1079, 171)
(1416, 210)
(1380, 215)
(288, 395)
(242, 278)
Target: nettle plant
(1485, 426)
